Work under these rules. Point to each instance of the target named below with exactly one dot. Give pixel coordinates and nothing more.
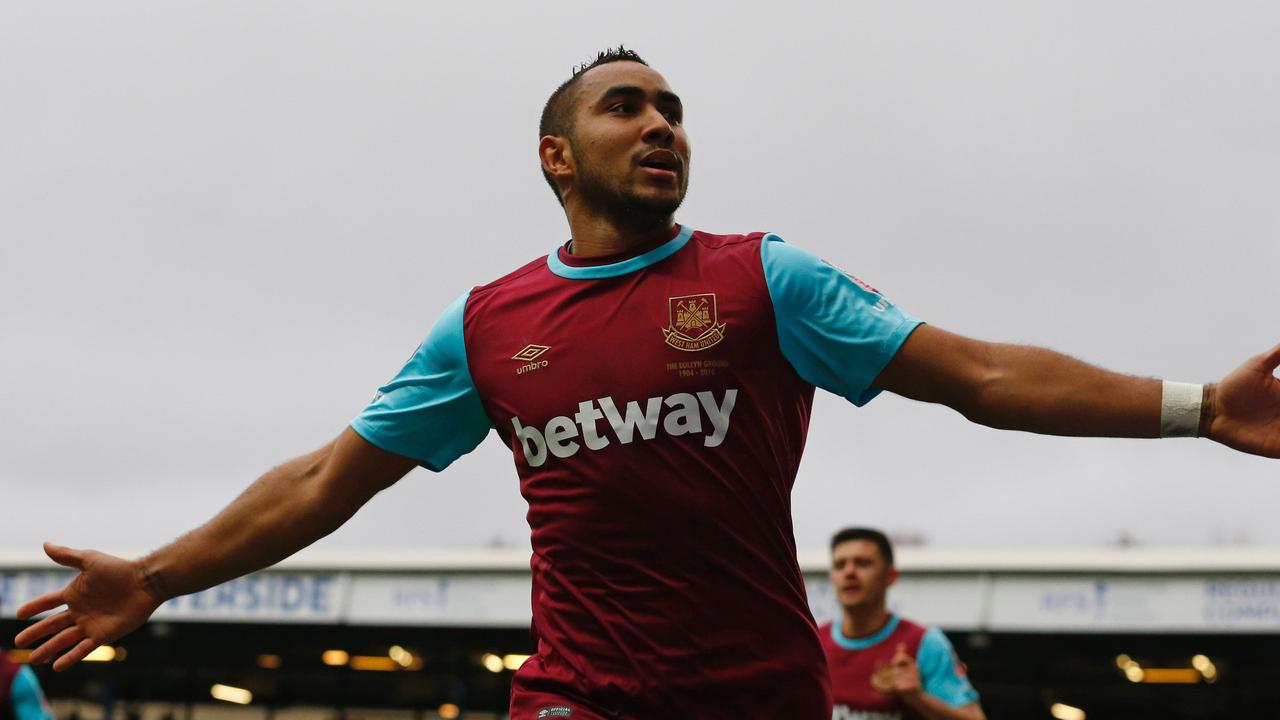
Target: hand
(1244, 409)
(105, 601)
(900, 677)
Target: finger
(45, 602)
(47, 626)
(64, 556)
(75, 655)
(1271, 358)
(56, 644)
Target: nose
(658, 129)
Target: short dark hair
(861, 533)
(557, 114)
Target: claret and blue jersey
(656, 408)
(20, 695)
(853, 663)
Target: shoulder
(911, 633)
(28, 702)
(723, 252)
(712, 241)
(523, 274)
(911, 627)
(935, 648)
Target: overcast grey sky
(224, 224)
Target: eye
(673, 116)
(620, 107)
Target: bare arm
(1017, 387)
(285, 510)
(906, 682)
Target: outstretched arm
(1018, 387)
(285, 510)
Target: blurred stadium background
(1111, 633)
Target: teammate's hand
(905, 680)
(1245, 407)
(104, 601)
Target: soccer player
(20, 694)
(653, 383)
(884, 666)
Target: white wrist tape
(1180, 409)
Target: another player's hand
(904, 681)
(104, 601)
(1245, 407)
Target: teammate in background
(20, 695)
(653, 384)
(885, 667)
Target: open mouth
(661, 161)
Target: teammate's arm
(1018, 387)
(934, 688)
(285, 510)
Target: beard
(620, 202)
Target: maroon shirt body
(656, 407)
(702, 594)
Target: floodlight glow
(269, 662)
(1066, 712)
(335, 657)
(228, 693)
(492, 663)
(1170, 676)
(1134, 673)
(449, 711)
(102, 653)
(402, 657)
(513, 662)
(379, 663)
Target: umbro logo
(529, 356)
(530, 352)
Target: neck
(862, 621)
(596, 235)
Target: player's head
(613, 141)
(861, 567)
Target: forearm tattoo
(154, 584)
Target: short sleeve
(941, 672)
(835, 330)
(28, 702)
(430, 411)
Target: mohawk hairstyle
(557, 114)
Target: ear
(893, 577)
(557, 159)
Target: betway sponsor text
(678, 414)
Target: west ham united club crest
(692, 322)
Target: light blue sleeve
(28, 702)
(836, 331)
(431, 410)
(941, 673)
